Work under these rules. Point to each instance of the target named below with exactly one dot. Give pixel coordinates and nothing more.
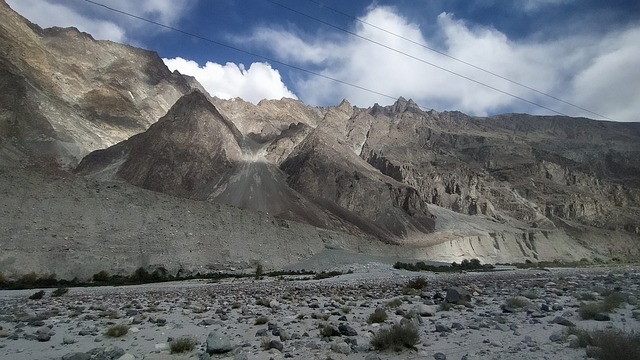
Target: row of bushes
(528, 264)
(139, 276)
(465, 265)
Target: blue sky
(584, 52)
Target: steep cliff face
(533, 169)
(65, 94)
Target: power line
(457, 59)
(243, 51)
(314, 73)
(418, 59)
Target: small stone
(341, 348)
(557, 337)
(502, 327)
(127, 356)
(346, 330)
(76, 356)
(66, 340)
(44, 337)
(562, 321)
(601, 317)
(425, 310)
(442, 328)
(574, 341)
(275, 344)
(439, 356)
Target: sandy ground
(295, 308)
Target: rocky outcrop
(188, 147)
(66, 94)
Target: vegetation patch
(397, 338)
(589, 310)
(37, 295)
(516, 302)
(182, 345)
(326, 275)
(465, 265)
(378, 316)
(417, 283)
(117, 331)
(60, 291)
(611, 344)
(328, 330)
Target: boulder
(456, 294)
(218, 343)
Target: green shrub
(29, 279)
(396, 338)
(259, 271)
(611, 302)
(613, 344)
(117, 331)
(445, 306)
(586, 296)
(326, 275)
(394, 303)
(101, 276)
(589, 310)
(417, 283)
(37, 295)
(378, 316)
(3, 279)
(328, 330)
(59, 292)
(182, 345)
(516, 302)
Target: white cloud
(589, 72)
(102, 24)
(228, 81)
(47, 14)
(534, 5)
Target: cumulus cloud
(259, 81)
(100, 23)
(581, 70)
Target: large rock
(218, 343)
(456, 294)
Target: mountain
(65, 94)
(109, 161)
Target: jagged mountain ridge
(444, 185)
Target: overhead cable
(457, 59)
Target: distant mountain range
(428, 184)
